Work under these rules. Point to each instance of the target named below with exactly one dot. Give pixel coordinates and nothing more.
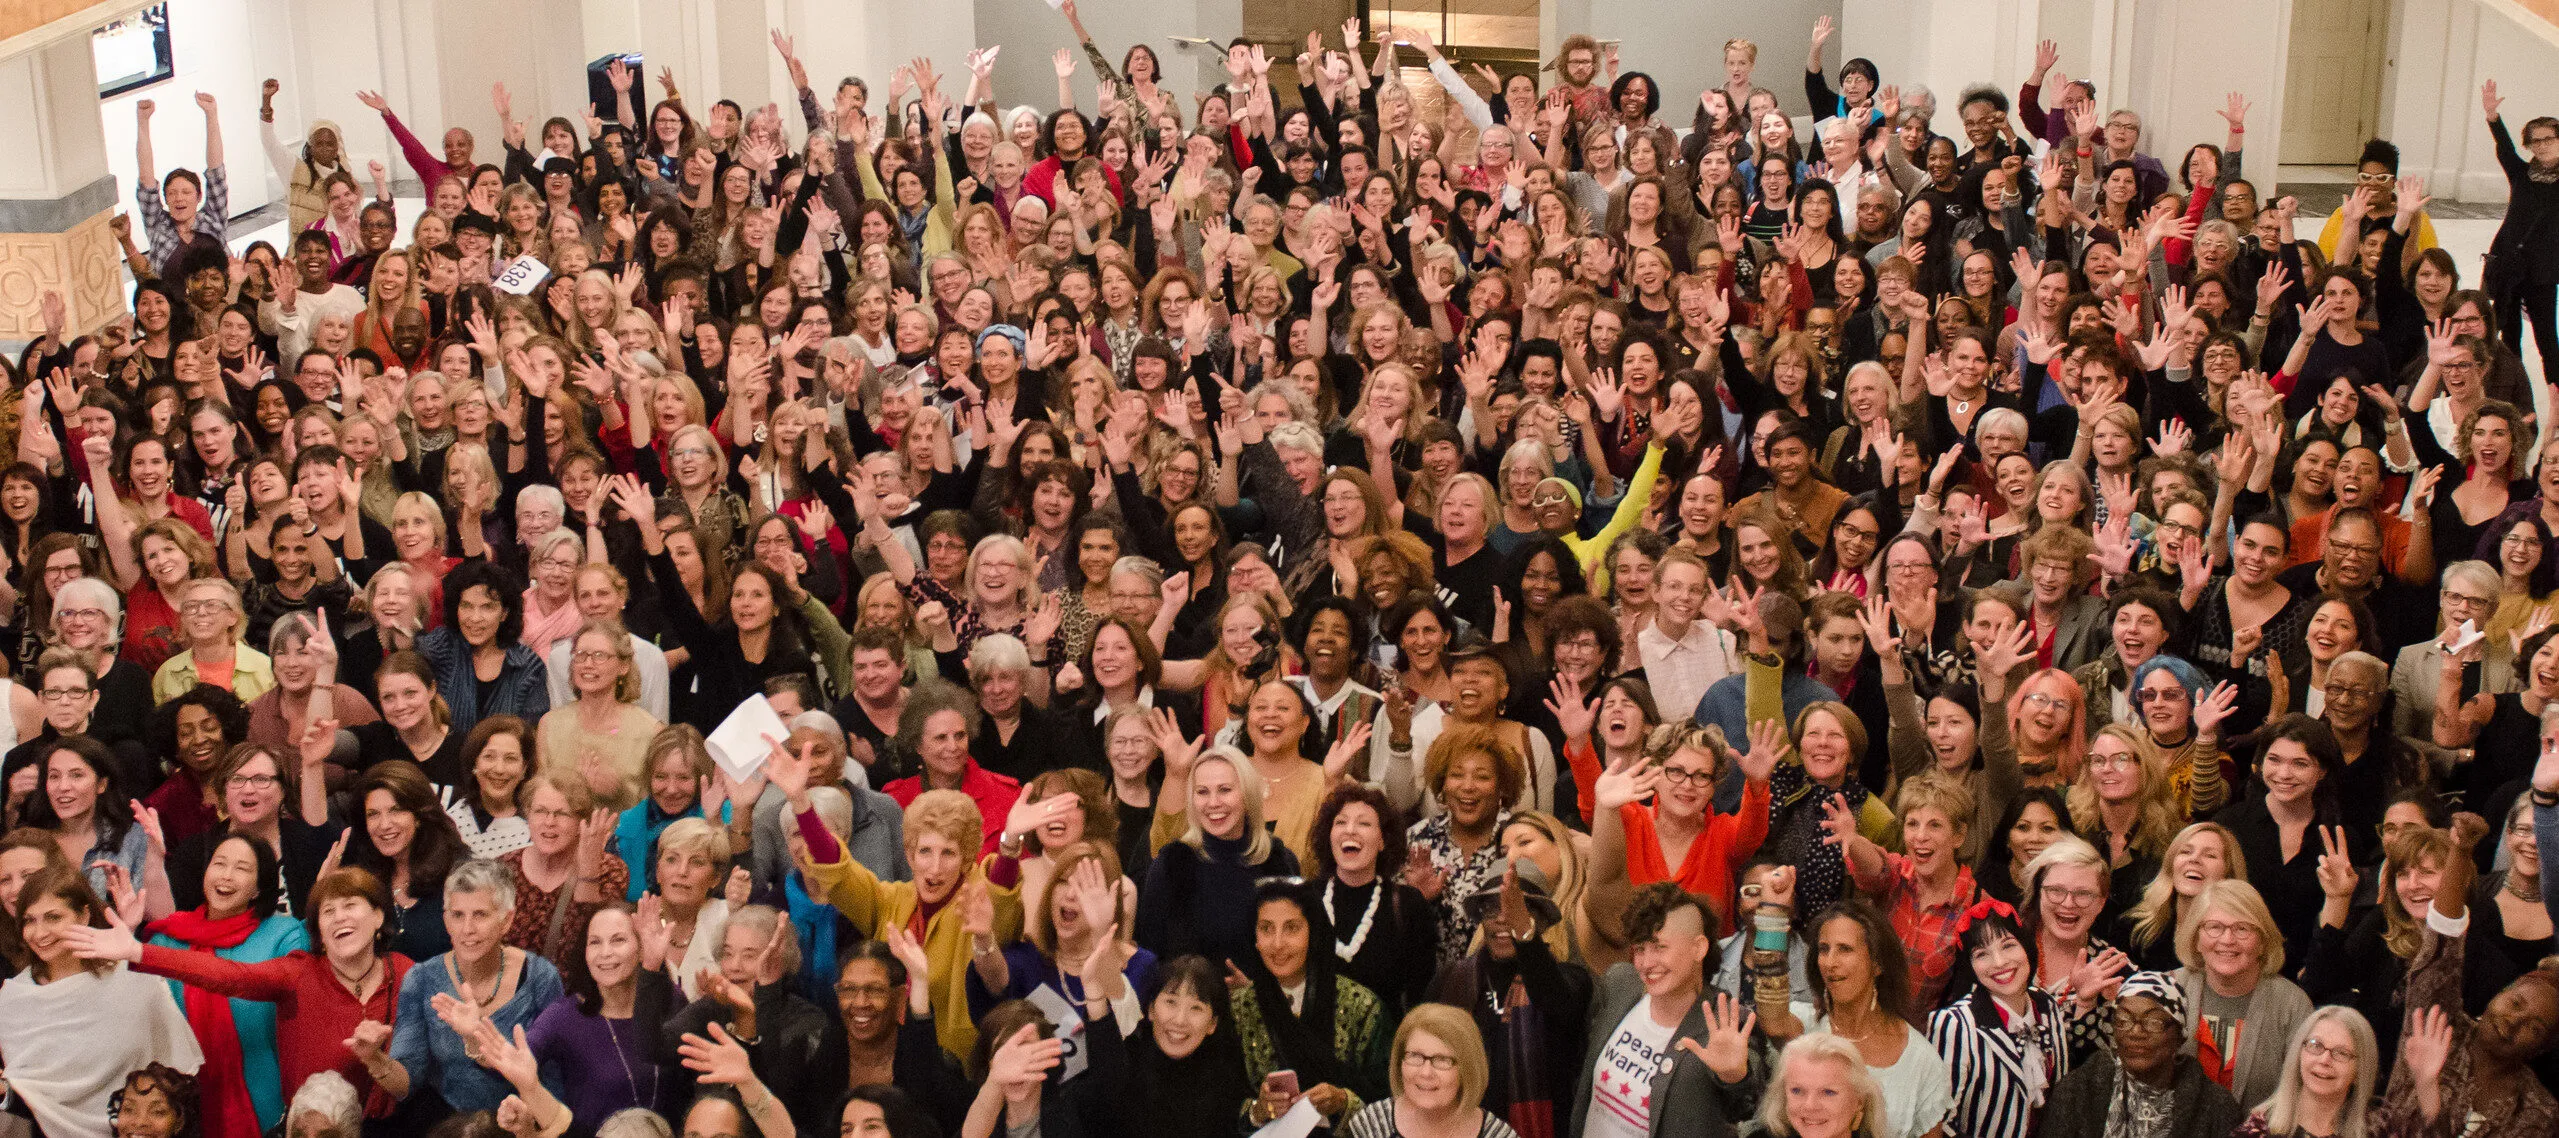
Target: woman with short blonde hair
(211, 620)
(2233, 955)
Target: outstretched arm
(212, 132)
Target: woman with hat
(1529, 1006)
(2147, 1085)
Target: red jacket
(993, 793)
(315, 1014)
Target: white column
(56, 194)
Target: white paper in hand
(1300, 1121)
(1069, 1019)
(1060, 5)
(742, 740)
(2470, 634)
(521, 276)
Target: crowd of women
(1290, 611)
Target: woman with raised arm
(1679, 837)
(333, 1005)
(81, 802)
(962, 914)
(2455, 1067)
(2362, 966)
(1193, 898)
(603, 1039)
(566, 874)
(1861, 996)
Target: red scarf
(223, 1079)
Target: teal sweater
(255, 1019)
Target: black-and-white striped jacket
(1988, 1063)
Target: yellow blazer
(872, 904)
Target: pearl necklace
(1345, 950)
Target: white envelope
(1300, 1121)
(742, 740)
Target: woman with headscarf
(2146, 1087)
(1300, 1015)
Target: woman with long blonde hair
(2199, 855)
(393, 291)
(2125, 802)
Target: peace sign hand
(2337, 876)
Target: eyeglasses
(2352, 691)
(80, 614)
(1434, 1062)
(2046, 699)
(1583, 643)
(2375, 179)
(690, 452)
(2122, 759)
(546, 814)
(1681, 776)
(201, 608)
(2160, 695)
(254, 781)
(2313, 1049)
(2454, 597)
(2163, 529)
(2156, 1023)
(63, 695)
(874, 991)
(2075, 898)
(2225, 930)
(2519, 537)
(2357, 549)
(594, 657)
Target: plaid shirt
(212, 220)
(1927, 931)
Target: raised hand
(1838, 822)
(2489, 100)
(1338, 758)
(2337, 876)
(1625, 782)
(2214, 707)
(716, 1059)
(1728, 1034)
(1768, 746)
(1573, 714)
(2427, 1044)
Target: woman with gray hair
(325, 1107)
(445, 999)
(88, 616)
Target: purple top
(595, 1065)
